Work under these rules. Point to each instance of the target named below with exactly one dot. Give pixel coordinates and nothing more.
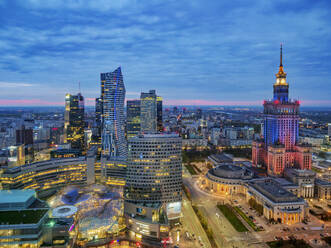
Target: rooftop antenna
(78, 86)
(281, 54)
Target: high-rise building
(154, 182)
(74, 121)
(329, 129)
(132, 118)
(113, 119)
(280, 149)
(159, 114)
(24, 140)
(98, 114)
(24, 136)
(148, 112)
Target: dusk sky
(189, 51)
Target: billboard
(174, 210)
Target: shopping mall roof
(16, 196)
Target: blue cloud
(208, 50)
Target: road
(225, 235)
(192, 224)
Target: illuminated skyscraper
(280, 148)
(148, 112)
(98, 114)
(159, 113)
(113, 96)
(74, 121)
(132, 118)
(153, 182)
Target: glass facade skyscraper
(113, 119)
(74, 122)
(159, 113)
(154, 172)
(133, 118)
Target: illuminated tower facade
(113, 119)
(133, 118)
(74, 121)
(159, 113)
(280, 149)
(148, 112)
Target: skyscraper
(74, 121)
(113, 96)
(280, 148)
(159, 114)
(132, 118)
(148, 112)
(153, 181)
(98, 114)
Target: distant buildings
(144, 115)
(280, 148)
(74, 121)
(113, 119)
(153, 184)
(237, 136)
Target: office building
(153, 185)
(133, 118)
(98, 115)
(113, 119)
(24, 136)
(74, 121)
(148, 112)
(280, 148)
(159, 113)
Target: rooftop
(273, 191)
(32, 216)
(16, 195)
(156, 135)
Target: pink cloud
(211, 102)
(91, 102)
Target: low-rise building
(304, 179)
(276, 202)
(22, 217)
(227, 179)
(322, 189)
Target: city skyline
(161, 50)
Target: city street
(226, 236)
(224, 233)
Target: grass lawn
(232, 218)
(248, 220)
(190, 169)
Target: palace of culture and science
(280, 148)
